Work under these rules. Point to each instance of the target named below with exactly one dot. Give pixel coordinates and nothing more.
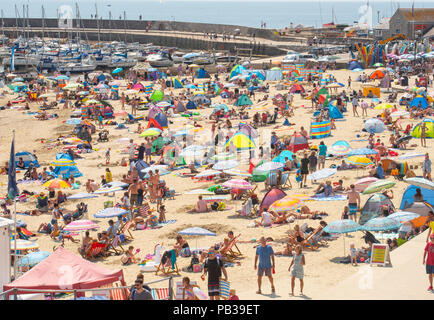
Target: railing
(5, 295)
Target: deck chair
(160, 294)
(114, 246)
(271, 180)
(234, 250)
(119, 294)
(95, 250)
(167, 270)
(180, 287)
(225, 286)
(125, 230)
(310, 243)
(247, 194)
(284, 182)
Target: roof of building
(429, 34)
(383, 24)
(420, 14)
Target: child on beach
(345, 214)
(128, 257)
(107, 156)
(353, 254)
(162, 214)
(232, 295)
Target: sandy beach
(322, 271)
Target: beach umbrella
(92, 101)
(110, 212)
(379, 185)
(82, 195)
(63, 163)
(207, 173)
(342, 226)
(403, 216)
(268, 166)
(361, 184)
(73, 86)
(108, 190)
(117, 184)
(378, 64)
(411, 156)
(62, 77)
(162, 169)
(17, 79)
(237, 172)
(73, 121)
(362, 152)
(163, 104)
(404, 138)
(81, 225)
(322, 174)
(381, 224)
(225, 165)
(383, 106)
(285, 204)
(359, 161)
(32, 259)
(196, 231)
(24, 244)
(339, 149)
(117, 70)
(237, 184)
(193, 151)
(420, 182)
(57, 184)
(152, 69)
(375, 125)
(150, 132)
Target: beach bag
(221, 206)
(197, 268)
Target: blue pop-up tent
(408, 196)
(419, 100)
(66, 171)
(201, 73)
(335, 113)
(28, 159)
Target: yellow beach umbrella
(151, 132)
(57, 184)
(383, 106)
(359, 161)
(285, 204)
(24, 245)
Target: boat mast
(28, 22)
(24, 20)
(97, 24)
(77, 23)
(16, 21)
(43, 23)
(3, 23)
(125, 26)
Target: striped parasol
(24, 244)
(110, 212)
(108, 190)
(285, 204)
(268, 166)
(63, 163)
(32, 259)
(225, 165)
(301, 196)
(403, 216)
(237, 172)
(420, 182)
(224, 156)
(81, 225)
(237, 184)
(378, 186)
(57, 184)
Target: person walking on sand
(355, 104)
(265, 255)
(123, 100)
(429, 252)
(349, 82)
(298, 261)
(353, 202)
(426, 167)
(214, 267)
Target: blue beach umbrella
(73, 121)
(33, 258)
(82, 195)
(62, 77)
(381, 224)
(225, 165)
(196, 231)
(117, 70)
(342, 226)
(110, 212)
(322, 174)
(403, 216)
(362, 152)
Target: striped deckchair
(119, 294)
(95, 250)
(271, 180)
(225, 286)
(160, 294)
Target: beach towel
(338, 197)
(167, 222)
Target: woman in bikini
(187, 291)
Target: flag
(12, 181)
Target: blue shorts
(53, 221)
(353, 208)
(429, 268)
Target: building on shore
(381, 30)
(411, 22)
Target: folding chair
(119, 294)
(167, 270)
(113, 243)
(285, 182)
(95, 250)
(160, 294)
(125, 230)
(271, 180)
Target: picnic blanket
(338, 197)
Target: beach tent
(28, 159)
(272, 196)
(137, 86)
(66, 171)
(373, 207)
(335, 113)
(201, 73)
(286, 123)
(296, 88)
(176, 83)
(429, 123)
(298, 142)
(249, 130)
(322, 91)
(377, 74)
(140, 165)
(281, 157)
(241, 141)
(421, 208)
(191, 105)
(179, 106)
(49, 274)
(157, 95)
(273, 75)
(159, 143)
(236, 70)
(256, 74)
(407, 197)
(354, 65)
(153, 111)
(419, 100)
(152, 123)
(161, 119)
(243, 100)
(319, 130)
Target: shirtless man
(353, 202)
(133, 190)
